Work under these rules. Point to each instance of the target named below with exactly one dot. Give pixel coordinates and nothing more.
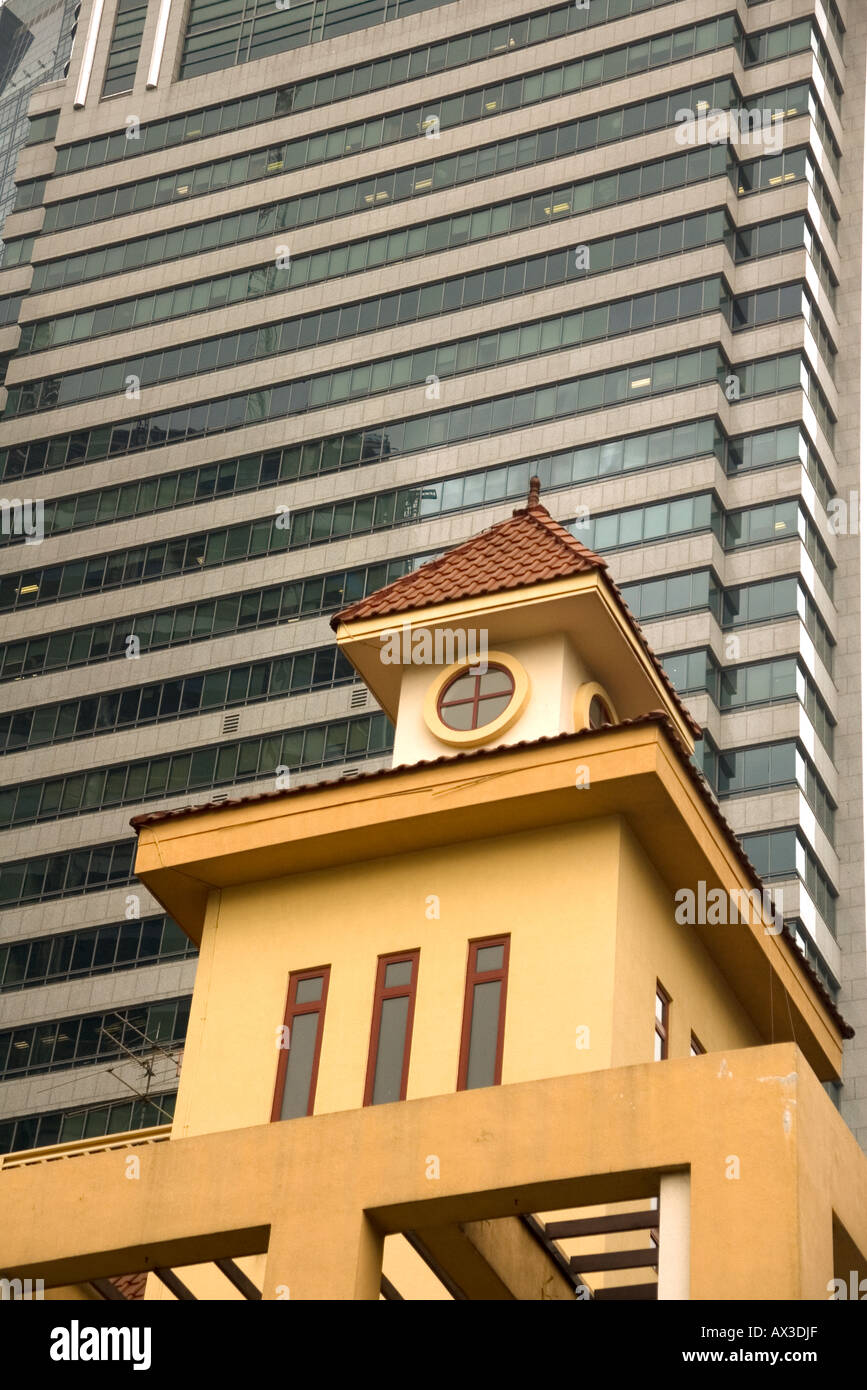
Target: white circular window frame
(473, 738)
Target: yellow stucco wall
(591, 926)
(551, 889)
(651, 946)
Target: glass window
(391, 1030)
(483, 1031)
(472, 701)
(300, 1043)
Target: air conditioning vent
(220, 796)
(230, 723)
(358, 698)
(351, 772)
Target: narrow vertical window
(663, 1013)
(299, 1061)
(695, 1047)
(481, 1059)
(391, 1029)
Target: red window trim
(694, 1043)
(476, 698)
(662, 1027)
(475, 977)
(394, 992)
(292, 1012)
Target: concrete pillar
(673, 1236)
(323, 1253)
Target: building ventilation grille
(358, 698)
(230, 723)
(351, 772)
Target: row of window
(321, 668)
(373, 315)
(643, 525)
(394, 372)
(251, 472)
(783, 234)
(785, 444)
(758, 48)
(777, 170)
(361, 195)
(324, 593)
(197, 622)
(703, 511)
(480, 1061)
(480, 1057)
(761, 766)
(776, 304)
(808, 948)
(99, 1037)
(66, 873)
(91, 1122)
(407, 243)
(800, 99)
(779, 521)
(413, 435)
(197, 769)
(740, 606)
(771, 374)
(235, 476)
(352, 516)
(770, 45)
(784, 854)
(762, 682)
(94, 951)
(339, 86)
(124, 48)
(222, 33)
(832, 13)
(365, 514)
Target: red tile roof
(658, 717)
(529, 547)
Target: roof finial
(533, 496)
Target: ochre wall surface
(591, 926)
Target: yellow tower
(514, 1018)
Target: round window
(471, 702)
(598, 714)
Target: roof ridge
(479, 547)
(540, 514)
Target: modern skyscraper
(307, 294)
(35, 43)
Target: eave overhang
(583, 606)
(636, 771)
